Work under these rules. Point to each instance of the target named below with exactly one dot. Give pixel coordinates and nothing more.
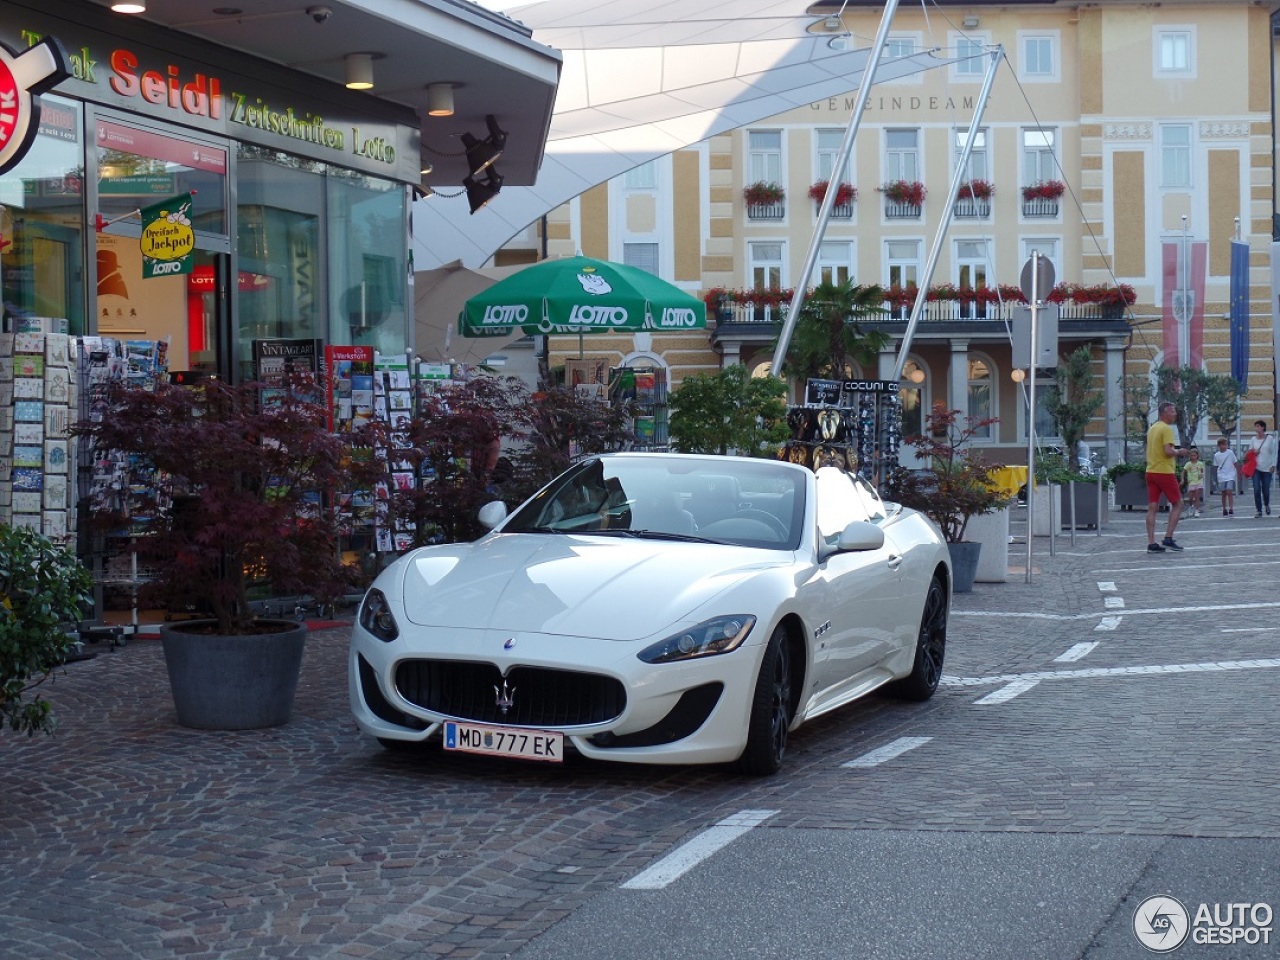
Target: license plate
(504, 741)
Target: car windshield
(756, 503)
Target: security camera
(319, 14)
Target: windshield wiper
(642, 534)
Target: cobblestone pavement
(128, 836)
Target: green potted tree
(956, 485)
(1073, 401)
(729, 411)
(43, 589)
(248, 480)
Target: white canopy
(643, 78)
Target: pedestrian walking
(1264, 445)
(1162, 478)
(1224, 463)
(1193, 480)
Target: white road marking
(1098, 672)
(1113, 603)
(1106, 586)
(1131, 611)
(1008, 692)
(1247, 629)
(1108, 623)
(890, 750)
(1077, 652)
(691, 853)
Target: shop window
(41, 222)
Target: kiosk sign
(22, 76)
(167, 238)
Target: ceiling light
(129, 6)
(482, 153)
(440, 99)
(359, 71)
(479, 194)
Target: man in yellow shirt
(1162, 477)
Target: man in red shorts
(1162, 477)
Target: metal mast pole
(829, 200)
(918, 308)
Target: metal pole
(1071, 492)
(829, 200)
(1098, 477)
(957, 177)
(1031, 410)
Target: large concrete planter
(964, 565)
(1086, 515)
(233, 683)
(1131, 491)
(992, 531)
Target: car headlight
(376, 616)
(706, 639)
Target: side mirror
(492, 514)
(860, 535)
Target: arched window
(982, 394)
(914, 396)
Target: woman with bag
(1263, 445)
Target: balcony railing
(1040, 207)
(842, 211)
(902, 211)
(767, 211)
(728, 313)
(973, 207)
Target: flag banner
(167, 239)
(1240, 313)
(1183, 265)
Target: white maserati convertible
(655, 608)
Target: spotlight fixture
(833, 23)
(359, 71)
(440, 99)
(479, 194)
(129, 6)
(482, 153)
(970, 23)
(916, 376)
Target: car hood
(603, 587)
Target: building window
(912, 394)
(1048, 248)
(972, 62)
(1038, 159)
(978, 167)
(895, 48)
(982, 399)
(1039, 57)
(643, 256)
(835, 261)
(902, 260)
(764, 156)
(973, 259)
(1175, 53)
(826, 149)
(1175, 155)
(902, 155)
(765, 264)
(643, 177)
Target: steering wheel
(768, 519)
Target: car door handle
(895, 561)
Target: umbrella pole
(580, 354)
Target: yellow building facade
(1157, 119)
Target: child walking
(1193, 477)
(1224, 462)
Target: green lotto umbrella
(581, 295)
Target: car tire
(931, 648)
(771, 710)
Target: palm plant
(828, 331)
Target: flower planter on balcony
(902, 211)
(972, 207)
(1040, 207)
(766, 211)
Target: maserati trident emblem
(504, 698)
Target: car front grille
(539, 697)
